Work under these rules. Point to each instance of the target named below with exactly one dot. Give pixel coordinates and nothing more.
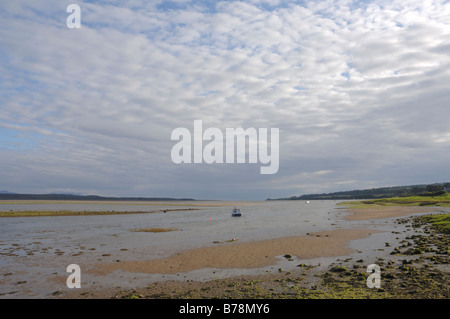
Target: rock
(288, 257)
(389, 276)
(338, 269)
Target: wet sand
(244, 255)
(385, 212)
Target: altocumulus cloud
(358, 89)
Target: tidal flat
(417, 269)
(264, 249)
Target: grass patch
(441, 200)
(43, 213)
(46, 213)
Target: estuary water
(199, 225)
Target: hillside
(374, 193)
(12, 196)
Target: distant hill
(14, 196)
(383, 192)
(5, 192)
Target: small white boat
(236, 212)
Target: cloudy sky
(360, 92)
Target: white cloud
(349, 98)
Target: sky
(359, 91)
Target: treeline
(13, 196)
(383, 192)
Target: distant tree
(417, 190)
(434, 188)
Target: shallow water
(198, 227)
(35, 251)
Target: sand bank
(243, 255)
(385, 212)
